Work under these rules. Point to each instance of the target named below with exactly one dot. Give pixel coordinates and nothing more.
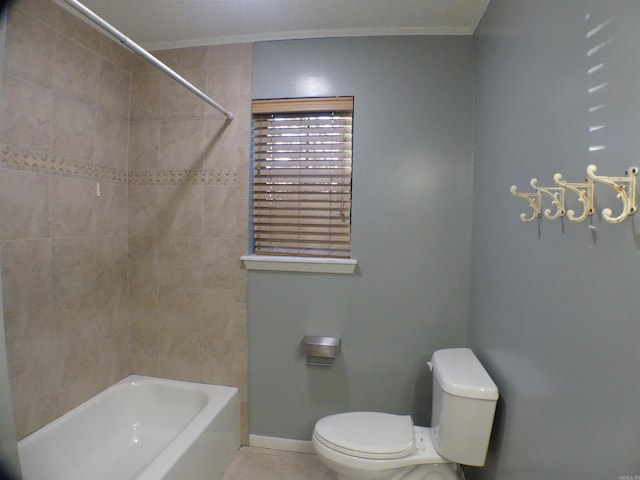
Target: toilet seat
(367, 435)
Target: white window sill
(300, 264)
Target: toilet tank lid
(460, 373)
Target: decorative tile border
(224, 177)
(57, 165)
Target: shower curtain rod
(146, 55)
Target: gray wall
(555, 306)
(8, 449)
(411, 234)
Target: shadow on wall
(168, 209)
(5, 473)
(330, 386)
(421, 408)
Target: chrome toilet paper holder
(321, 351)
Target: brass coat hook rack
(624, 186)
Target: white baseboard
(275, 443)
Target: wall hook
(557, 199)
(584, 191)
(625, 188)
(534, 200)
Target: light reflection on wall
(313, 86)
(598, 43)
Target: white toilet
(382, 446)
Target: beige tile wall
(145, 278)
(64, 250)
(188, 211)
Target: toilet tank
(464, 403)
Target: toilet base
(444, 471)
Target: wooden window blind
(302, 176)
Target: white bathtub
(141, 428)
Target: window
(301, 197)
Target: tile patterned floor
(252, 463)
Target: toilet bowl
(383, 446)
(378, 446)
